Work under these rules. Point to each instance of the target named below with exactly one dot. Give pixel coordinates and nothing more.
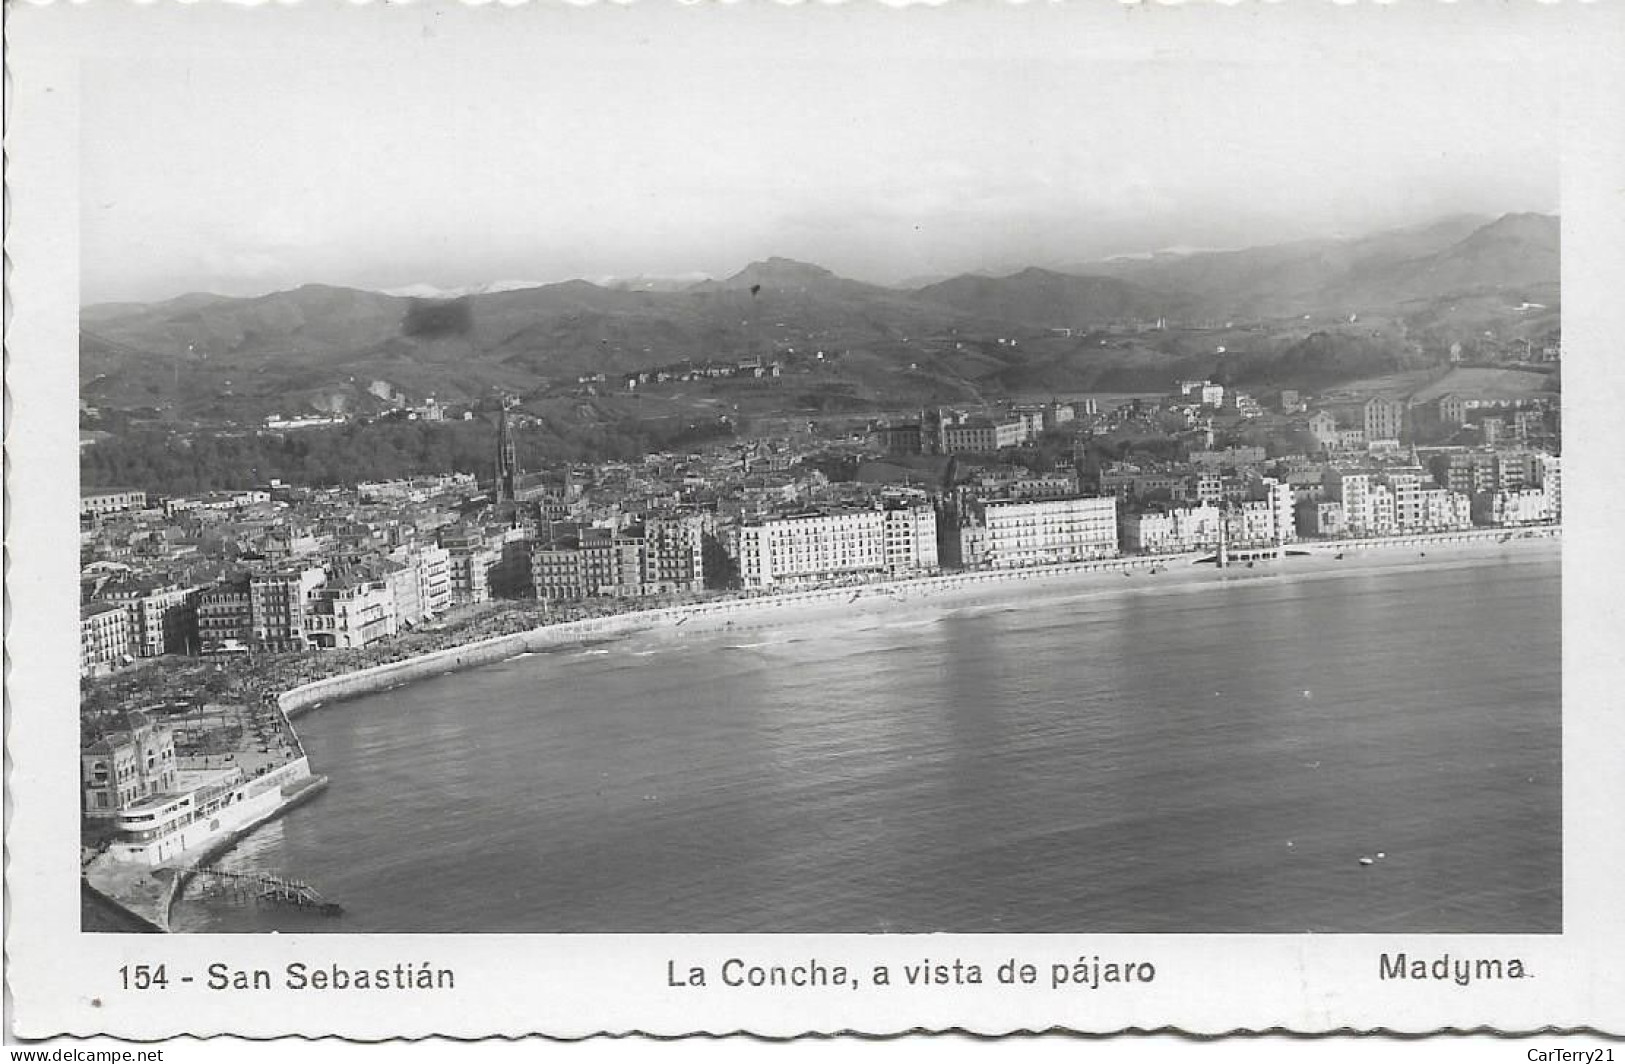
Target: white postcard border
(65, 981)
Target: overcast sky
(245, 151)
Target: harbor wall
(391, 674)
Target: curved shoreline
(667, 619)
(725, 613)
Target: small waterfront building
(200, 807)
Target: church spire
(507, 470)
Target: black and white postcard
(700, 518)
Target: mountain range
(1409, 292)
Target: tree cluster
(168, 463)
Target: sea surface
(1131, 758)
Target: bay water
(1133, 757)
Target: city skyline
(654, 143)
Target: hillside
(1405, 267)
(1396, 299)
(1046, 299)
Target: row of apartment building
(351, 602)
(658, 556)
(296, 607)
(901, 537)
(1465, 488)
(1383, 420)
(1261, 522)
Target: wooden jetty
(267, 889)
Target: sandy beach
(1320, 560)
(1170, 573)
(958, 590)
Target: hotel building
(890, 540)
(1020, 533)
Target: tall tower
(507, 478)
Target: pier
(266, 889)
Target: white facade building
(1527, 506)
(349, 616)
(1174, 531)
(1550, 471)
(911, 540)
(1049, 531)
(818, 547)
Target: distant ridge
(787, 275)
(429, 291)
(1324, 275)
(320, 347)
(1045, 298)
